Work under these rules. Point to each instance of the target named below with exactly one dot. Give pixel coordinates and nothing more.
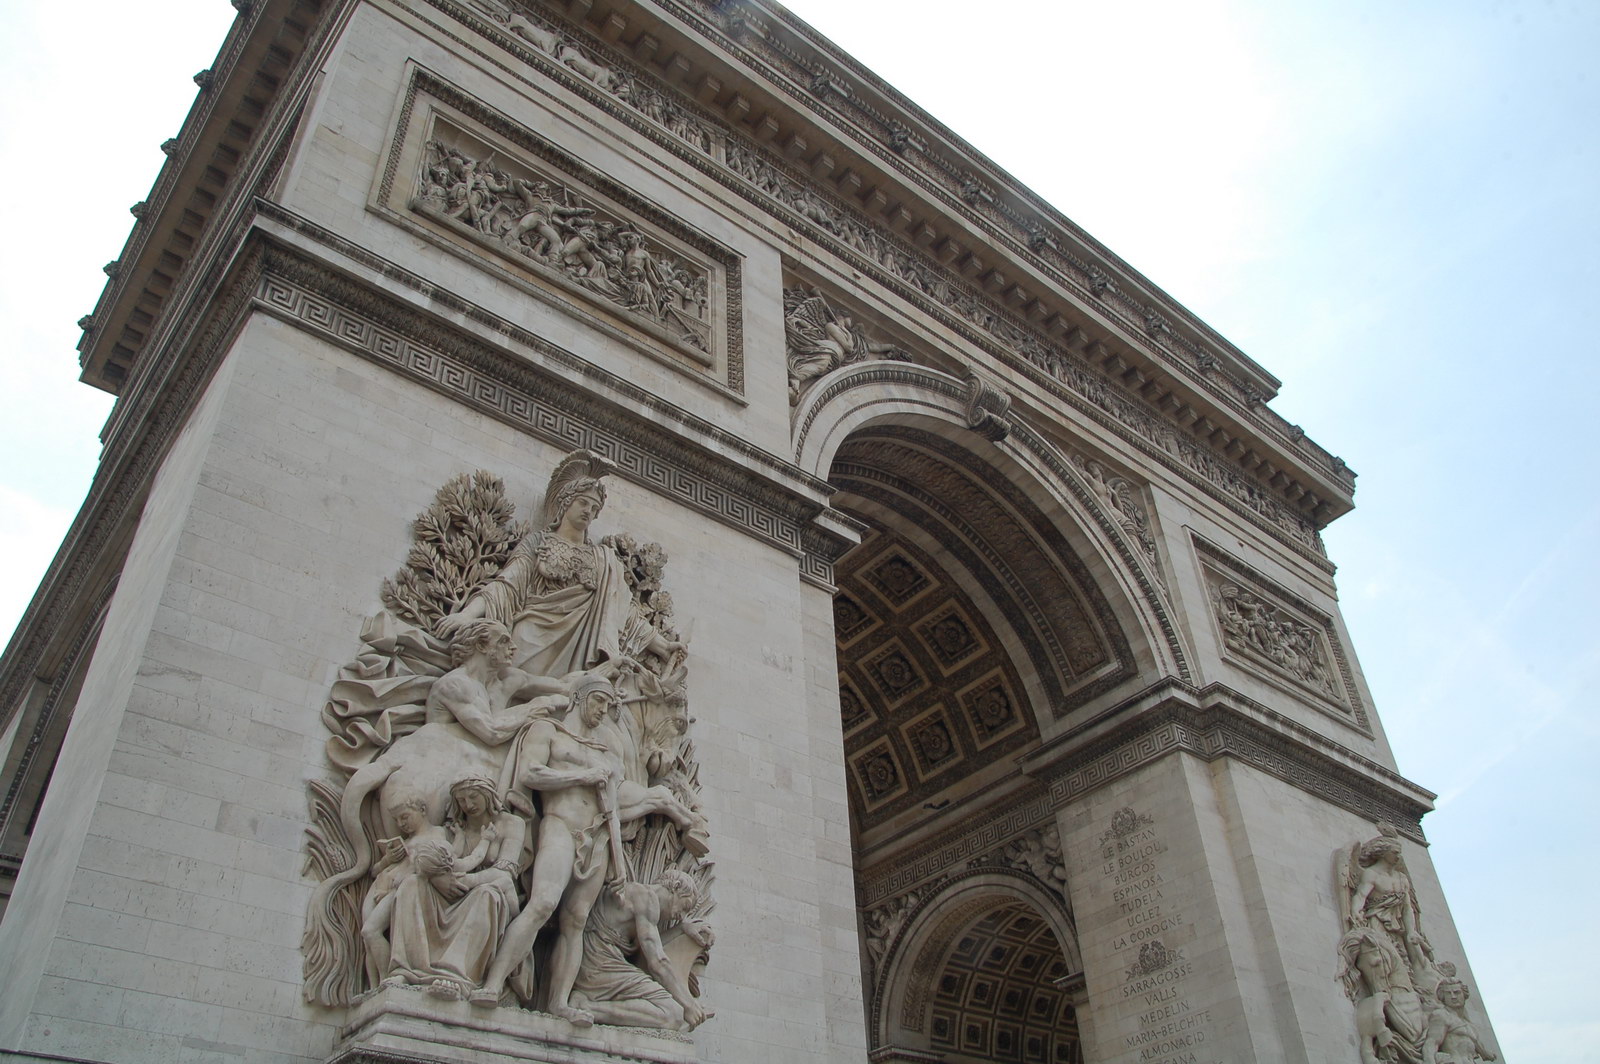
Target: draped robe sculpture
(435, 870)
(1409, 1006)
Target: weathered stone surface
(1049, 768)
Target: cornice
(190, 325)
(1096, 377)
(798, 66)
(219, 139)
(1168, 718)
(857, 105)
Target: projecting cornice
(236, 96)
(752, 87)
(757, 100)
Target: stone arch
(982, 970)
(873, 398)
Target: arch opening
(981, 610)
(965, 624)
(982, 974)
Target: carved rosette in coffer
(1278, 636)
(508, 199)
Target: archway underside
(996, 993)
(962, 621)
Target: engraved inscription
(1168, 1027)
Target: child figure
(395, 863)
(449, 913)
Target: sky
(1393, 207)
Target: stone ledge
(402, 1025)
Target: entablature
(764, 94)
(236, 94)
(778, 115)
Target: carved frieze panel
(634, 95)
(1036, 852)
(1278, 636)
(512, 201)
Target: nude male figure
(573, 774)
(581, 780)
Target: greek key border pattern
(538, 410)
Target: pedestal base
(401, 1025)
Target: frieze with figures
(1278, 636)
(501, 194)
(621, 84)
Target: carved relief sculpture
(562, 231)
(1269, 635)
(1409, 1008)
(1120, 495)
(616, 78)
(819, 338)
(882, 924)
(512, 744)
(1039, 853)
(1451, 1038)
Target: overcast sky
(1391, 206)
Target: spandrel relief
(1410, 1006)
(820, 336)
(514, 817)
(1126, 503)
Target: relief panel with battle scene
(512, 201)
